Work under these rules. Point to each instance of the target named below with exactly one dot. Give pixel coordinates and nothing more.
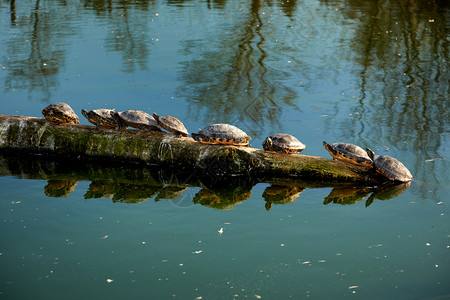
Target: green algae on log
(39, 136)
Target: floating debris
(433, 159)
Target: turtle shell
(224, 134)
(349, 153)
(283, 143)
(101, 118)
(61, 113)
(390, 167)
(171, 124)
(136, 119)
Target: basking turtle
(61, 113)
(223, 134)
(283, 143)
(349, 153)
(136, 119)
(390, 167)
(171, 124)
(101, 118)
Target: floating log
(29, 135)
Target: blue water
(373, 74)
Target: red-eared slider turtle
(349, 153)
(136, 119)
(171, 124)
(224, 134)
(61, 113)
(101, 118)
(390, 167)
(283, 143)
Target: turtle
(349, 153)
(60, 112)
(283, 143)
(101, 118)
(390, 167)
(136, 119)
(223, 134)
(171, 124)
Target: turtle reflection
(278, 194)
(171, 192)
(224, 196)
(132, 193)
(388, 191)
(121, 192)
(347, 195)
(59, 188)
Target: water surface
(372, 73)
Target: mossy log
(39, 136)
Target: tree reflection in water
(402, 50)
(234, 81)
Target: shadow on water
(135, 184)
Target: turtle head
(115, 115)
(267, 143)
(155, 116)
(85, 113)
(329, 148)
(196, 137)
(370, 153)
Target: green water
(373, 73)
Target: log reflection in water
(136, 184)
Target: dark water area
(372, 73)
